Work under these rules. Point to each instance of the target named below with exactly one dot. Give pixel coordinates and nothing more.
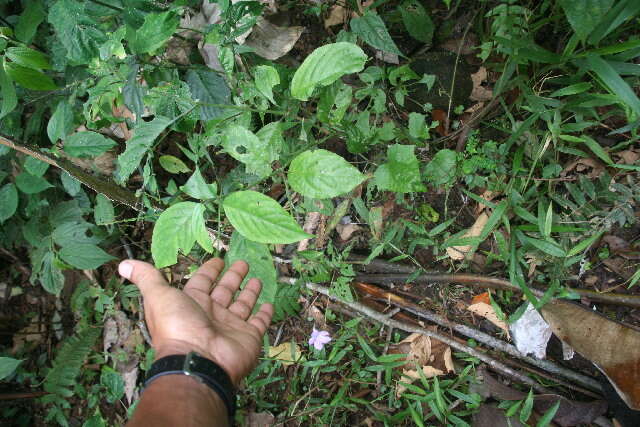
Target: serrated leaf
(372, 30)
(51, 277)
(177, 230)
(257, 154)
(85, 256)
(441, 170)
(266, 77)
(87, 144)
(61, 122)
(8, 201)
(321, 174)
(30, 184)
(28, 77)
(8, 92)
(8, 365)
(324, 66)
(76, 30)
(401, 172)
(210, 90)
(28, 57)
(197, 188)
(261, 219)
(173, 164)
(585, 15)
(104, 212)
(154, 32)
(417, 21)
(261, 265)
(29, 20)
(143, 138)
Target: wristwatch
(204, 370)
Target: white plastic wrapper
(531, 333)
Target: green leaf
(210, 90)
(173, 164)
(441, 170)
(260, 262)
(133, 93)
(155, 31)
(29, 20)
(8, 365)
(372, 30)
(104, 213)
(417, 21)
(71, 185)
(548, 221)
(621, 11)
(197, 188)
(572, 90)
(261, 219)
(85, 256)
(321, 174)
(584, 15)
(87, 144)
(418, 126)
(401, 172)
(324, 66)
(597, 149)
(28, 77)
(614, 82)
(166, 241)
(586, 243)
(76, 30)
(257, 154)
(143, 138)
(51, 276)
(30, 184)
(113, 383)
(266, 77)
(8, 201)
(527, 407)
(548, 416)
(8, 92)
(28, 57)
(61, 122)
(547, 247)
(35, 167)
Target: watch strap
(204, 370)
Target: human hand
(203, 317)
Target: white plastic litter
(531, 333)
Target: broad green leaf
(548, 416)
(8, 365)
(372, 30)
(197, 188)
(173, 164)
(8, 92)
(527, 407)
(87, 144)
(417, 21)
(266, 77)
(418, 126)
(111, 380)
(143, 138)
(584, 15)
(321, 174)
(547, 247)
(260, 262)
(28, 57)
(85, 256)
(35, 167)
(572, 90)
(28, 77)
(257, 154)
(51, 276)
(8, 201)
(71, 232)
(401, 172)
(324, 66)
(71, 185)
(76, 30)
(61, 122)
(156, 30)
(132, 93)
(29, 21)
(614, 82)
(178, 229)
(211, 92)
(104, 213)
(441, 170)
(261, 219)
(597, 149)
(586, 243)
(30, 184)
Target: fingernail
(125, 268)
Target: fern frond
(69, 360)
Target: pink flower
(319, 339)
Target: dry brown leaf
(30, 335)
(259, 419)
(628, 157)
(485, 310)
(311, 222)
(460, 252)
(479, 92)
(271, 41)
(611, 346)
(286, 353)
(468, 43)
(483, 297)
(337, 16)
(584, 164)
(346, 230)
(489, 415)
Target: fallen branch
(385, 320)
(479, 336)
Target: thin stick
(486, 339)
(494, 364)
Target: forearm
(181, 400)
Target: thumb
(144, 275)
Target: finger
(262, 319)
(229, 283)
(145, 276)
(243, 305)
(202, 280)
